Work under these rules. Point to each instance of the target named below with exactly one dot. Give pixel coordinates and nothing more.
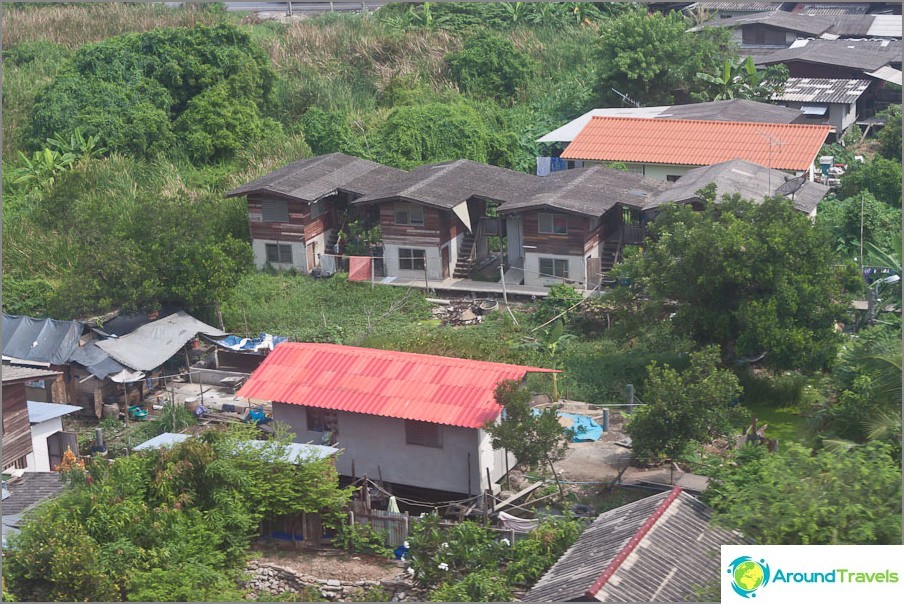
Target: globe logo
(748, 575)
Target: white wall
(576, 269)
(377, 445)
(433, 259)
(299, 258)
(39, 459)
(657, 171)
(514, 240)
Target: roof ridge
(632, 543)
(721, 123)
(445, 169)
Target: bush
(362, 538)
(490, 66)
(879, 176)
(328, 132)
(890, 135)
(561, 298)
(488, 585)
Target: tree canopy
(753, 278)
(490, 66)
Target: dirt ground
(597, 461)
(328, 564)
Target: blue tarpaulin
(585, 429)
(263, 341)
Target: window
(316, 209)
(279, 253)
(672, 177)
(423, 434)
(763, 36)
(553, 224)
(322, 420)
(274, 210)
(409, 214)
(411, 260)
(553, 267)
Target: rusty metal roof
(697, 142)
(404, 385)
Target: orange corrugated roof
(697, 142)
(422, 387)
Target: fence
(394, 523)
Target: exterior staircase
(610, 253)
(465, 261)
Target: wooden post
(366, 494)
(380, 473)
(469, 473)
(486, 508)
(489, 480)
(187, 363)
(508, 478)
(353, 469)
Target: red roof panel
(697, 142)
(442, 390)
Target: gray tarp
(42, 340)
(96, 361)
(151, 345)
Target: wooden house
(434, 220)
(17, 444)
(294, 213)
(574, 224)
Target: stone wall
(272, 579)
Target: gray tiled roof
(447, 184)
(805, 24)
(30, 489)
(751, 180)
(822, 90)
(11, 373)
(735, 110)
(838, 54)
(676, 551)
(316, 177)
(588, 191)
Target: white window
(423, 434)
(553, 267)
(274, 210)
(409, 214)
(411, 260)
(279, 253)
(553, 224)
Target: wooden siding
(430, 234)
(571, 244)
(300, 225)
(17, 430)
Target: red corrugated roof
(697, 142)
(422, 387)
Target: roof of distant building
(657, 549)
(697, 143)
(841, 53)
(41, 412)
(832, 8)
(317, 177)
(40, 340)
(403, 385)
(734, 110)
(822, 90)
(739, 6)
(805, 24)
(12, 373)
(751, 180)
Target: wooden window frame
(412, 259)
(278, 249)
(274, 210)
(554, 263)
(423, 434)
(551, 228)
(408, 214)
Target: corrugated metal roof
(889, 74)
(632, 553)
(885, 26)
(697, 143)
(832, 8)
(441, 390)
(12, 373)
(840, 53)
(167, 439)
(822, 90)
(738, 6)
(41, 412)
(805, 24)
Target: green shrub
(487, 585)
(362, 538)
(490, 66)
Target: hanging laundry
(328, 264)
(359, 268)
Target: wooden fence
(394, 523)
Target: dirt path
(330, 564)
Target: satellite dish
(790, 186)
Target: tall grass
(75, 25)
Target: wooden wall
(300, 224)
(572, 244)
(17, 430)
(429, 235)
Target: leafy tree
(842, 219)
(739, 79)
(435, 132)
(328, 132)
(551, 344)
(798, 497)
(533, 437)
(654, 60)
(752, 278)
(490, 66)
(879, 176)
(683, 408)
(890, 135)
(130, 91)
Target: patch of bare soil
(329, 564)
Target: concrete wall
(433, 260)
(212, 377)
(377, 445)
(39, 458)
(576, 270)
(657, 171)
(299, 259)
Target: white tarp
(461, 210)
(151, 345)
